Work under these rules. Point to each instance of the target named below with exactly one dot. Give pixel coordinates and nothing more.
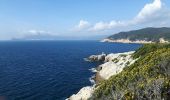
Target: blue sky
(20, 18)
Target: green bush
(152, 68)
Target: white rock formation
(161, 40)
(100, 57)
(127, 41)
(115, 64)
(84, 94)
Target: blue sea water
(49, 70)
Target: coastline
(161, 40)
(113, 64)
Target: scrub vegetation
(147, 78)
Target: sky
(79, 18)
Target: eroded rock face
(114, 64)
(84, 94)
(147, 79)
(97, 57)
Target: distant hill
(147, 34)
(57, 37)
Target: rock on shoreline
(84, 94)
(113, 64)
(94, 58)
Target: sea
(49, 70)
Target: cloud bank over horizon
(153, 14)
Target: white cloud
(104, 25)
(32, 32)
(149, 11)
(151, 14)
(83, 24)
(36, 32)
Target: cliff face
(147, 78)
(146, 35)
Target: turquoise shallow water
(49, 70)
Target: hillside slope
(147, 79)
(146, 34)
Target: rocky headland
(161, 40)
(142, 36)
(140, 75)
(143, 74)
(112, 64)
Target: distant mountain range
(146, 35)
(57, 37)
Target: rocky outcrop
(162, 40)
(84, 94)
(147, 79)
(113, 64)
(93, 58)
